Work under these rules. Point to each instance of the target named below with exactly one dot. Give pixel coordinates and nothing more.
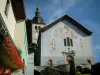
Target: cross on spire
(37, 13)
(38, 19)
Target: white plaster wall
(30, 64)
(25, 51)
(56, 55)
(30, 69)
(35, 32)
(2, 7)
(11, 22)
(19, 34)
(10, 19)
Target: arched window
(36, 27)
(39, 28)
(68, 42)
(71, 42)
(65, 42)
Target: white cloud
(60, 7)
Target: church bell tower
(33, 26)
(37, 24)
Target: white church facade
(64, 35)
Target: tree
(72, 66)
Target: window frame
(7, 7)
(65, 44)
(36, 27)
(68, 42)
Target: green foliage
(19, 51)
(49, 71)
(14, 70)
(72, 66)
(78, 73)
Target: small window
(71, 42)
(36, 27)
(39, 28)
(68, 41)
(7, 7)
(65, 42)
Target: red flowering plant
(12, 52)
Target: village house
(13, 30)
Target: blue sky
(86, 12)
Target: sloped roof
(18, 9)
(71, 20)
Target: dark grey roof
(38, 19)
(68, 18)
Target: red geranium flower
(12, 52)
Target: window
(68, 42)
(7, 7)
(39, 28)
(71, 42)
(36, 27)
(65, 42)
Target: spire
(38, 19)
(37, 13)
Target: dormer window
(7, 7)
